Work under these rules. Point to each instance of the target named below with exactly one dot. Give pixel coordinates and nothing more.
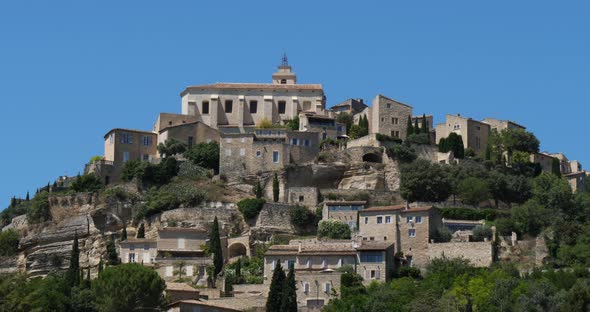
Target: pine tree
(124, 233)
(275, 294)
(289, 301)
(424, 125)
(73, 274)
(409, 127)
(258, 190)
(215, 247)
(54, 186)
(141, 231)
(27, 198)
(100, 266)
(275, 188)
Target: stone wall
(373, 197)
(479, 254)
(305, 196)
(276, 216)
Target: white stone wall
(479, 254)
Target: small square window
(384, 238)
(418, 219)
(258, 154)
(373, 273)
(275, 157)
(379, 220)
(409, 219)
(387, 219)
(388, 105)
(366, 220)
(242, 151)
(301, 198)
(412, 232)
(228, 106)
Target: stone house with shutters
(344, 211)
(316, 265)
(243, 105)
(474, 133)
(138, 250)
(410, 229)
(265, 150)
(389, 117)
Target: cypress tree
(275, 188)
(258, 190)
(556, 167)
(124, 234)
(239, 269)
(289, 302)
(409, 127)
(100, 266)
(215, 247)
(275, 294)
(442, 145)
(13, 202)
(416, 127)
(365, 125)
(112, 256)
(424, 125)
(27, 197)
(73, 274)
(488, 154)
(141, 231)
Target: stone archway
(237, 249)
(373, 157)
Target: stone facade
(166, 120)
(304, 196)
(479, 254)
(344, 211)
(410, 229)
(543, 159)
(389, 117)
(577, 181)
(324, 126)
(265, 150)
(350, 106)
(429, 121)
(189, 133)
(247, 104)
(474, 133)
(139, 250)
(500, 125)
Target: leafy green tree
(355, 132)
(82, 299)
(275, 188)
(531, 217)
(421, 138)
(250, 207)
(171, 147)
(9, 240)
(553, 192)
(334, 229)
(402, 153)
(556, 167)
(129, 287)
(409, 126)
(277, 285)
(346, 119)
(215, 247)
(180, 270)
(289, 300)
(301, 217)
(424, 181)
(292, 124)
(482, 232)
(473, 191)
(205, 155)
(141, 231)
(39, 211)
(454, 143)
(73, 274)
(258, 191)
(86, 183)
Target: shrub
(406, 271)
(86, 183)
(442, 235)
(119, 194)
(8, 242)
(292, 124)
(265, 124)
(250, 207)
(333, 229)
(171, 147)
(328, 142)
(481, 232)
(302, 217)
(159, 174)
(505, 226)
(386, 138)
(170, 196)
(473, 191)
(422, 138)
(39, 211)
(403, 153)
(96, 158)
(189, 170)
(205, 155)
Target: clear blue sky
(72, 70)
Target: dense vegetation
(333, 229)
(454, 285)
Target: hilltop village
(251, 178)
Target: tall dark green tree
(275, 188)
(424, 124)
(258, 190)
(73, 274)
(454, 143)
(124, 233)
(13, 202)
(416, 127)
(27, 198)
(215, 247)
(100, 266)
(409, 127)
(141, 231)
(556, 167)
(112, 256)
(289, 302)
(277, 285)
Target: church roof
(249, 86)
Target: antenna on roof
(284, 61)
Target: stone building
(410, 229)
(429, 121)
(543, 159)
(242, 105)
(324, 126)
(265, 150)
(500, 125)
(304, 196)
(138, 250)
(316, 262)
(389, 117)
(345, 211)
(350, 106)
(474, 133)
(189, 133)
(577, 181)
